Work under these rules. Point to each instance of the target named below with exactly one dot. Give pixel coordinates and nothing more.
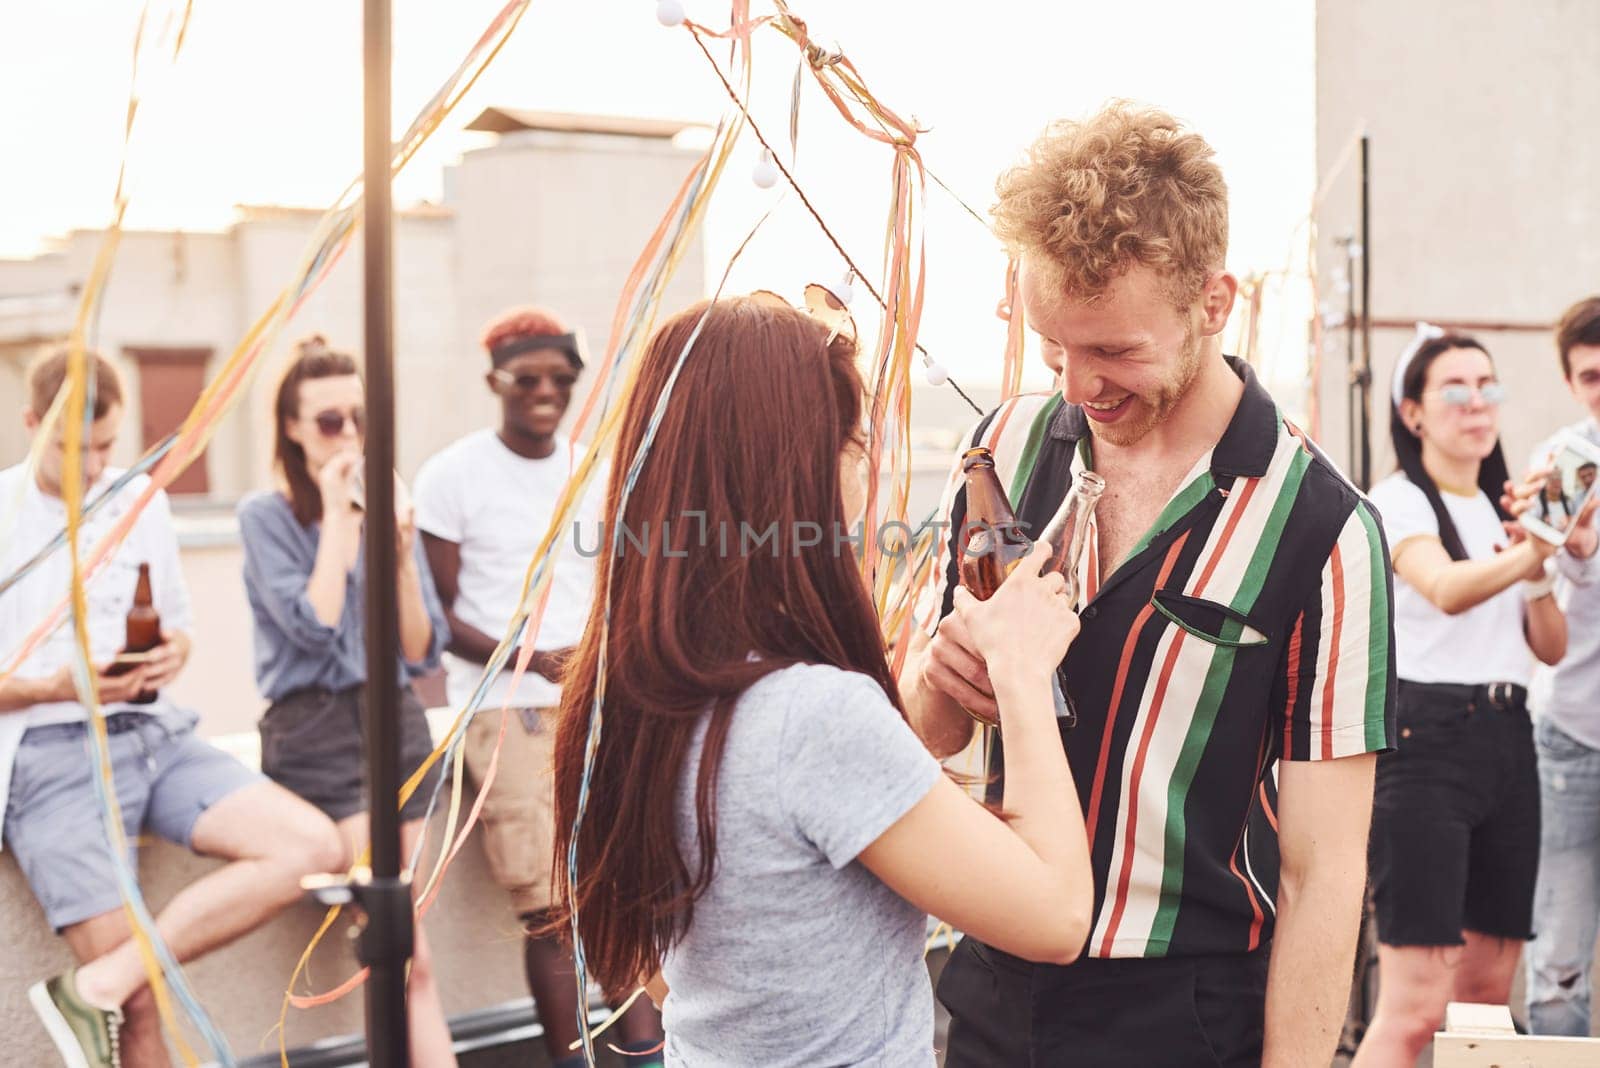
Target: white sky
(265, 107)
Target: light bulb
(669, 12)
(765, 174)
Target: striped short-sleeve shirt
(1251, 624)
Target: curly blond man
(1233, 675)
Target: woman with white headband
(1455, 828)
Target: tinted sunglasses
(821, 304)
(530, 382)
(1459, 395)
(330, 424)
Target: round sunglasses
(330, 423)
(821, 304)
(1459, 395)
(529, 382)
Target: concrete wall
(474, 933)
(1484, 171)
(270, 243)
(165, 289)
(555, 219)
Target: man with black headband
(483, 506)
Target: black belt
(1499, 696)
(116, 723)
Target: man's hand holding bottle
(1009, 643)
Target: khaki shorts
(519, 814)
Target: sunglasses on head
(1459, 395)
(821, 304)
(527, 383)
(330, 424)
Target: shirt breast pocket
(1211, 621)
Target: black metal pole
(386, 939)
(1352, 372)
(1366, 319)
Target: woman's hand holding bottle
(341, 518)
(1024, 630)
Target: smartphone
(125, 662)
(1574, 464)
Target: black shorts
(312, 744)
(1157, 1012)
(1455, 820)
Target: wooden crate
(1482, 1036)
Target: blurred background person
(169, 783)
(483, 506)
(305, 577)
(1455, 826)
(1566, 703)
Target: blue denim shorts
(165, 778)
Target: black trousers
(1184, 1012)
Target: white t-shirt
(1481, 645)
(38, 519)
(1566, 693)
(496, 506)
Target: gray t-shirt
(798, 955)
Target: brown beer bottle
(144, 626)
(991, 539)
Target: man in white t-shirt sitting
(483, 506)
(167, 780)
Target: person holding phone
(305, 578)
(169, 782)
(1455, 827)
(1566, 903)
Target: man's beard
(1155, 408)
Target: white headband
(1426, 332)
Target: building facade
(1483, 175)
(553, 212)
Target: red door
(170, 381)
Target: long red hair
(751, 437)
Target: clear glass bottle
(1068, 535)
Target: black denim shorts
(312, 744)
(1455, 821)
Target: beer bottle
(991, 540)
(144, 626)
(1068, 530)
(1068, 535)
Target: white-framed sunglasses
(1459, 394)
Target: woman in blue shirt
(305, 576)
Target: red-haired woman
(764, 832)
(305, 578)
